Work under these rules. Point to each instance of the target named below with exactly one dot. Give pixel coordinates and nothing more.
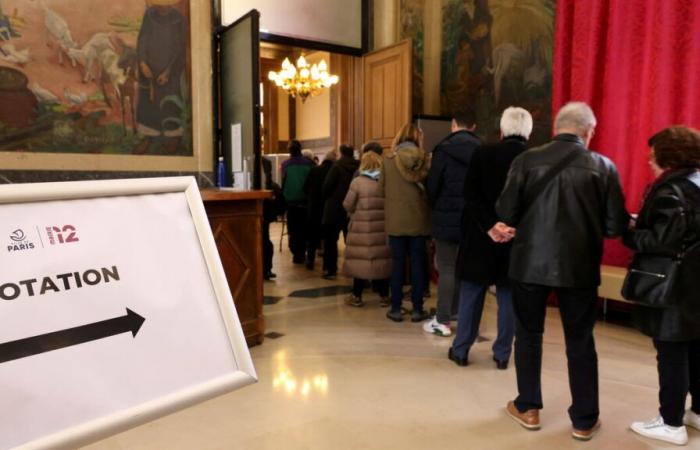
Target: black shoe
(419, 316)
(501, 365)
(396, 316)
(310, 265)
(462, 362)
(328, 275)
(269, 275)
(298, 260)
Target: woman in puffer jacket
(367, 256)
(669, 225)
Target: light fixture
(302, 80)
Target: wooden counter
(236, 221)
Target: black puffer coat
(662, 228)
(445, 183)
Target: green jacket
(406, 207)
(294, 173)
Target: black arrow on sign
(43, 343)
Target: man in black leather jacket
(558, 247)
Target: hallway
(336, 377)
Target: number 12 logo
(64, 235)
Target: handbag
(652, 277)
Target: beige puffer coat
(367, 254)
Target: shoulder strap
(539, 186)
(689, 216)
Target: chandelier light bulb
(322, 66)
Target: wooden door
(387, 75)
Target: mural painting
(95, 76)
(498, 53)
(412, 27)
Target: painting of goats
(95, 76)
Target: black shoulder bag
(652, 278)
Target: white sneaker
(657, 429)
(435, 327)
(692, 420)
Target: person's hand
(145, 70)
(163, 78)
(501, 233)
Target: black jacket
(336, 187)
(313, 188)
(559, 239)
(480, 260)
(662, 229)
(445, 183)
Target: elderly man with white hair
(481, 262)
(563, 200)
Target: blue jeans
(471, 306)
(414, 248)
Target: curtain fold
(637, 63)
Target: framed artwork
(104, 85)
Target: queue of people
(531, 223)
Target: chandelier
(302, 80)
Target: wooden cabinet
(236, 221)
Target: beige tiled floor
(345, 378)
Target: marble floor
(336, 377)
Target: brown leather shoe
(529, 419)
(586, 435)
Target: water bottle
(221, 173)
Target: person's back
(560, 233)
(336, 186)
(294, 173)
(445, 182)
(335, 220)
(406, 212)
(314, 188)
(295, 170)
(562, 200)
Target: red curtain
(637, 63)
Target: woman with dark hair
(669, 225)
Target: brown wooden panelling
(236, 221)
(387, 92)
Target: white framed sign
(115, 309)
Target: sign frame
(103, 427)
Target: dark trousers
(331, 234)
(412, 247)
(471, 307)
(578, 313)
(296, 230)
(268, 248)
(381, 287)
(313, 239)
(679, 374)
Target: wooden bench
(611, 279)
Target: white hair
(575, 116)
(516, 122)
